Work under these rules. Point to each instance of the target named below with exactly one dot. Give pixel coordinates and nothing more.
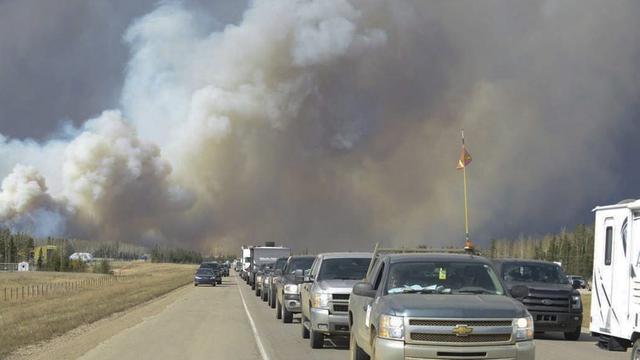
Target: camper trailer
(615, 299)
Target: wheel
(264, 296)
(272, 301)
(573, 335)
(317, 339)
(257, 292)
(195, 284)
(355, 351)
(305, 331)
(635, 352)
(278, 310)
(219, 281)
(213, 284)
(287, 316)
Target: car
(204, 276)
(578, 282)
(269, 292)
(216, 269)
(432, 306)
(287, 295)
(325, 294)
(550, 298)
(261, 274)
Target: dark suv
(287, 295)
(216, 269)
(552, 301)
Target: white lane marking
(263, 352)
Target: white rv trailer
(615, 297)
(246, 257)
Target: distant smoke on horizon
(335, 124)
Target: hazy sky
(65, 60)
(327, 124)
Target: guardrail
(14, 293)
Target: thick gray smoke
(334, 124)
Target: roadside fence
(14, 293)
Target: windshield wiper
(474, 291)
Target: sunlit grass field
(28, 321)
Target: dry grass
(586, 306)
(33, 320)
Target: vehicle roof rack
(377, 251)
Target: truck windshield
(344, 269)
(299, 264)
(443, 278)
(533, 272)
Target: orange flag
(465, 159)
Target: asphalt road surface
(214, 323)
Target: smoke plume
(335, 124)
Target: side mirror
(519, 291)
(576, 284)
(364, 289)
(299, 276)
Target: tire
(265, 296)
(317, 339)
(305, 331)
(272, 301)
(355, 351)
(287, 316)
(257, 292)
(278, 310)
(635, 352)
(220, 281)
(195, 284)
(573, 335)
(213, 284)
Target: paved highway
(214, 323)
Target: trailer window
(607, 245)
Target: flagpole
(468, 244)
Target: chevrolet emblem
(462, 330)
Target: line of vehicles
(402, 303)
(417, 304)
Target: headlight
(523, 328)
(198, 277)
(320, 300)
(391, 327)
(291, 289)
(576, 302)
(259, 278)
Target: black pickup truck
(552, 301)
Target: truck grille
(427, 322)
(438, 331)
(440, 338)
(341, 296)
(340, 308)
(550, 301)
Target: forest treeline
(574, 249)
(16, 247)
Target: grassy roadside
(586, 309)
(31, 321)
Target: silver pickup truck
(437, 306)
(325, 294)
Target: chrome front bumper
(292, 303)
(398, 350)
(324, 322)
